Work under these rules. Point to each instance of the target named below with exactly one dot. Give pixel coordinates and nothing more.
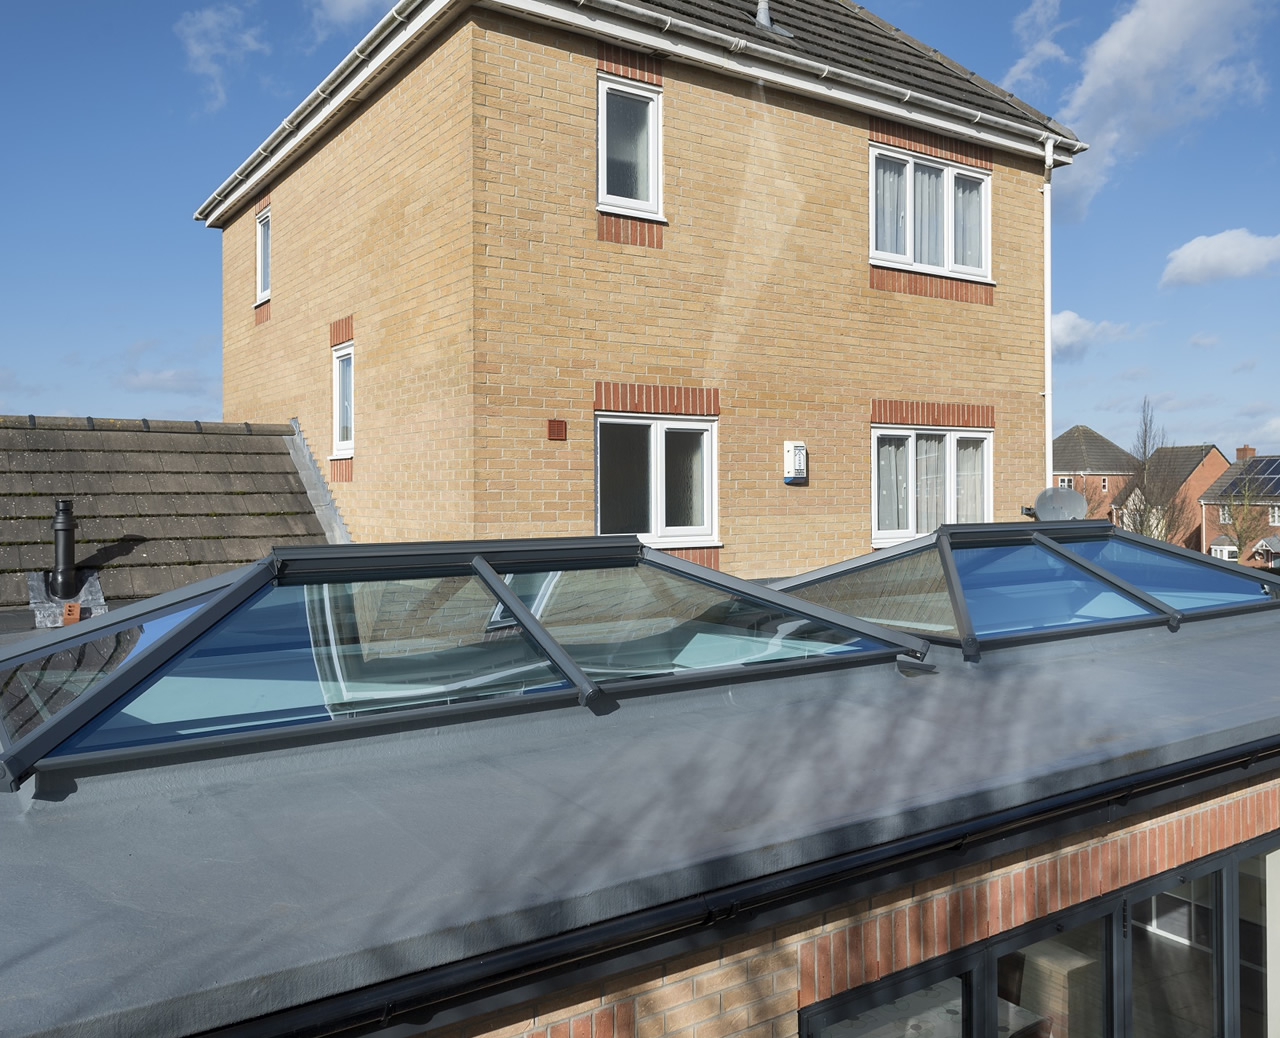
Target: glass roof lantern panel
(1011, 589)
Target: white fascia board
(732, 56)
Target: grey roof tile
(13, 589)
(1082, 451)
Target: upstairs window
(344, 436)
(1273, 515)
(656, 477)
(1066, 482)
(630, 147)
(930, 215)
(264, 255)
(922, 478)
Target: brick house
(1243, 504)
(1086, 461)
(565, 268)
(1179, 475)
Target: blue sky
(123, 117)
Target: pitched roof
(1169, 466)
(159, 504)
(1081, 450)
(837, 51)
(1262, 471)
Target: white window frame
(343, 448)
(262, 255)
(1104, 484)
(1224, 515)
(886, 538)
(1273, 515)
(1226, 552)
(620, 204)
(659, 535)
(907, 261)
(1066, 482)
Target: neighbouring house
(157, 505)
(1161, 498)
(706, 273)
(1241, 510)
(1087, 461)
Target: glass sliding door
(1174, 949)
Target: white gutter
(388, 43)
(1048, 312)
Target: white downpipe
(1048, 311)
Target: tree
(1243, 516)
(1090, 487)
(1154, 505)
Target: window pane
(971, 494)
(968, 222)
(627, 145)
(931, 482)
(1256, 991)
(345, 427)
(264, 256)
(1174, 947)
(891, 206)
(1056, 986)
(891, 469)
(930, 217)
(684, 485)
(624, 478)
(938, 1010)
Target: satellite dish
(1060, 503)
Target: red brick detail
(628, 230)
(913, 929)
(619, 61)
(709, 557)
(262, 313)
(911, 138)
(557, 429)
(341, 470)
(342, 330)
(922, 413)
(263, 202)
(933, 286)
(690, 400)
(70, 613)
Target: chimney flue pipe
(63, 584)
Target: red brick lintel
(619, 61)
(911, 138)
(341, 330)
(688, 400)
(922, 413)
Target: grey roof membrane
(159, 504)
(182, 896)
(1082, 451)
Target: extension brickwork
(752, 987)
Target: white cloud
(1204, 341)
(214, 38)
(181, 381)
(1215, 257)
(1244, 365)
(1035, 28)
(1073, 335)
(1161, 65)
(327, 15)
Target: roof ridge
(91, 424)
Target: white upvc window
(1224, 515)
(1273, 515)
(656, 477)
(263, 252)
(344, 434)
(922, 478)
(1066, 482)
(1227, 552)
(1104, 484)
(930, 215)
(629, 150)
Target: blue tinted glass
(1010, 589)
(1182, 583)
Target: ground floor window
(1225, 551)
(1181, 956)
(922, 478)
(656, 477)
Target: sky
(123, 117)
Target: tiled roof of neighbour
(1262, 471)
(836, 50)
(159, 504)
(1081, 451)
(1170, 466)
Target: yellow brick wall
(761, 289)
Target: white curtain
(930, 216)
(968, 222)
(931, 482)
(891, 472)
(970, 492)
(891, 206)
